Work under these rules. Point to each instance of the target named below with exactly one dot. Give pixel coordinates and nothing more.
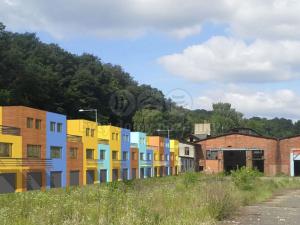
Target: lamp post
(91, 110)
(168, 130)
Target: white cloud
(117, 18)
(268, 19)
(278, 103)
(224, 59)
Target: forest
(47, 77)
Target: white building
(186, 157)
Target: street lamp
(168, 130)
(90, 110)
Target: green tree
(224, 118)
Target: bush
(189, 178)
(245, 178)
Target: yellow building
(89, 133)
(174, 148)
(113, 135)
(10, 159)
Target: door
(115, 176)
(133, 173)
(148, 172)
(34, 181)
(161, 171)
(155, 172)
(55, 179)
(171, 171)
(142, 175)
(103, 176)
(7, 183)
(125, 174)
(297, 168)
(90, 176)
(234, 160)
(74, 178)
(176, 168)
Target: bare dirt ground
(283, 209)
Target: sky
(197, 52)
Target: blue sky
(243, 52)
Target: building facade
(32, 124)
(186, 157)
(174, 151)
(125, 152)
(113, 135)
(157, 144)
(74, 154)
(11, 168)
(88, 131)
(56, 144)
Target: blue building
(56, 139)
(149, 163)
(104, 161)
(167, 156)
(145, 159)
(125, 154)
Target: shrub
(189, 178)
(245, 178)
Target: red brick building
(245, 147)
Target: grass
(188, 199)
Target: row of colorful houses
(41, 150)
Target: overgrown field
(187, 199)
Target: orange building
(159, 162)
(32, 123)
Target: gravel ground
(282, 210)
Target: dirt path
(283, 210)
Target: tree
(224, 118)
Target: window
(113, 136)
(117, 136)
(59, 127)
(33, 151)
(162, 158)
(52, 126)
(114, 155)
(167, 157)
(172, 157)
(125, 155)
(92, 132)
(133, 154)
(212, 155)
(55, 152)
(38, 124)
(155, 157)
(29, 122)
(87, 132)
(102, 154)
(90, 153)
(73, 153)
(148, 156)
(141, 156)
(186, 150)
(5, 149)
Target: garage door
(90, 176)
(34, 181)
(7, 183)
(74, 178)
(55, 179)
(103, 176)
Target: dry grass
(189, 199)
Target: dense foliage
(47, 77)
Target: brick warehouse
(245, 147)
